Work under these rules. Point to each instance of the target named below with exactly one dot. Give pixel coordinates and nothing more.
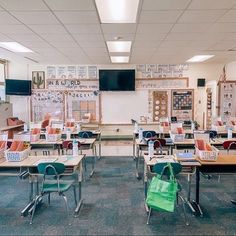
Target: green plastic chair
(162, 169)
(52, 183)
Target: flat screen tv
(18, 87)
(117, 80)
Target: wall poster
(227, 99)
(160, 105)
(182, 104)
(47, 102)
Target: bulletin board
(182, 101)
(81, 102)
(160, 104)
(227, 99)
(47, 102)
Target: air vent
(232, 50)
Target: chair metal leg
(218, 178)
(34, 208)
(67, 209)
(74, 190)
(49, 199)
(185, 216)
(149, 214)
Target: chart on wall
(182, 104)
(47, 102)
(160, 105)
(228, 99)
(80, 103)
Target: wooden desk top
(84, 141)
(223, 159)
(33, 161)
(167, 158)
(5, 128)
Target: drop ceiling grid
(72, 28)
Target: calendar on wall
(227, 99)
(182, 104)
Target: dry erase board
(47, 102)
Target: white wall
(120, 106)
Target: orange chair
(229, 145)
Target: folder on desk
(185, 156)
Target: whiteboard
(121, 107)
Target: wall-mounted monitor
(18, 87)
(117, 80)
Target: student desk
(188, 168)
(30, 163)
(224, 164)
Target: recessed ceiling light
(119, 46)
(119, 59)
(200, 58)
(118, 11)
(14, 47)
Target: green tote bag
(162, 193)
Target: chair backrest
(68, 144)
(149, 133)
(162, 168)
(229, 144)
(45, 123)
(158, 143)
(52, 168)
(212, 133)
(174, 126)
(85, 134)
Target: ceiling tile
(223, 46)
(65, 44)
(144, 45)
(201, 16)
(84, 28)
(165, 5)
(17, 29)
(190, 28)
(159, 16)
(88, 37)
(25, 37)
(212, 4)
(6, 19)
(35, 17)
(77, 17)
(223, 27)
(23, 5)
(71, 5)
(172, 36)
(57, 37)
(37, 45)
(118, 29)
(149, 37)
(4, 38)
(230, 16)
(44, 29)
(153, 28)
(92, 44)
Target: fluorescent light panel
(119, 59)
(14, 47)
(117, 11)
(200, 58)
(119, 46)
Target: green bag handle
(169, 166)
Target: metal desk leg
(189, 194)
(145, 186)
(80, 200)
(137, 162)
(99, 146)
(195, 203)
(93, 161)
(134, 145)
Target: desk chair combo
(163, 170)
(52, 183)
(84, 135)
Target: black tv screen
(117, 80)
(18, 87)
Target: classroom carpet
(114, 205)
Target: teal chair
(162, 169)
(52, 183)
